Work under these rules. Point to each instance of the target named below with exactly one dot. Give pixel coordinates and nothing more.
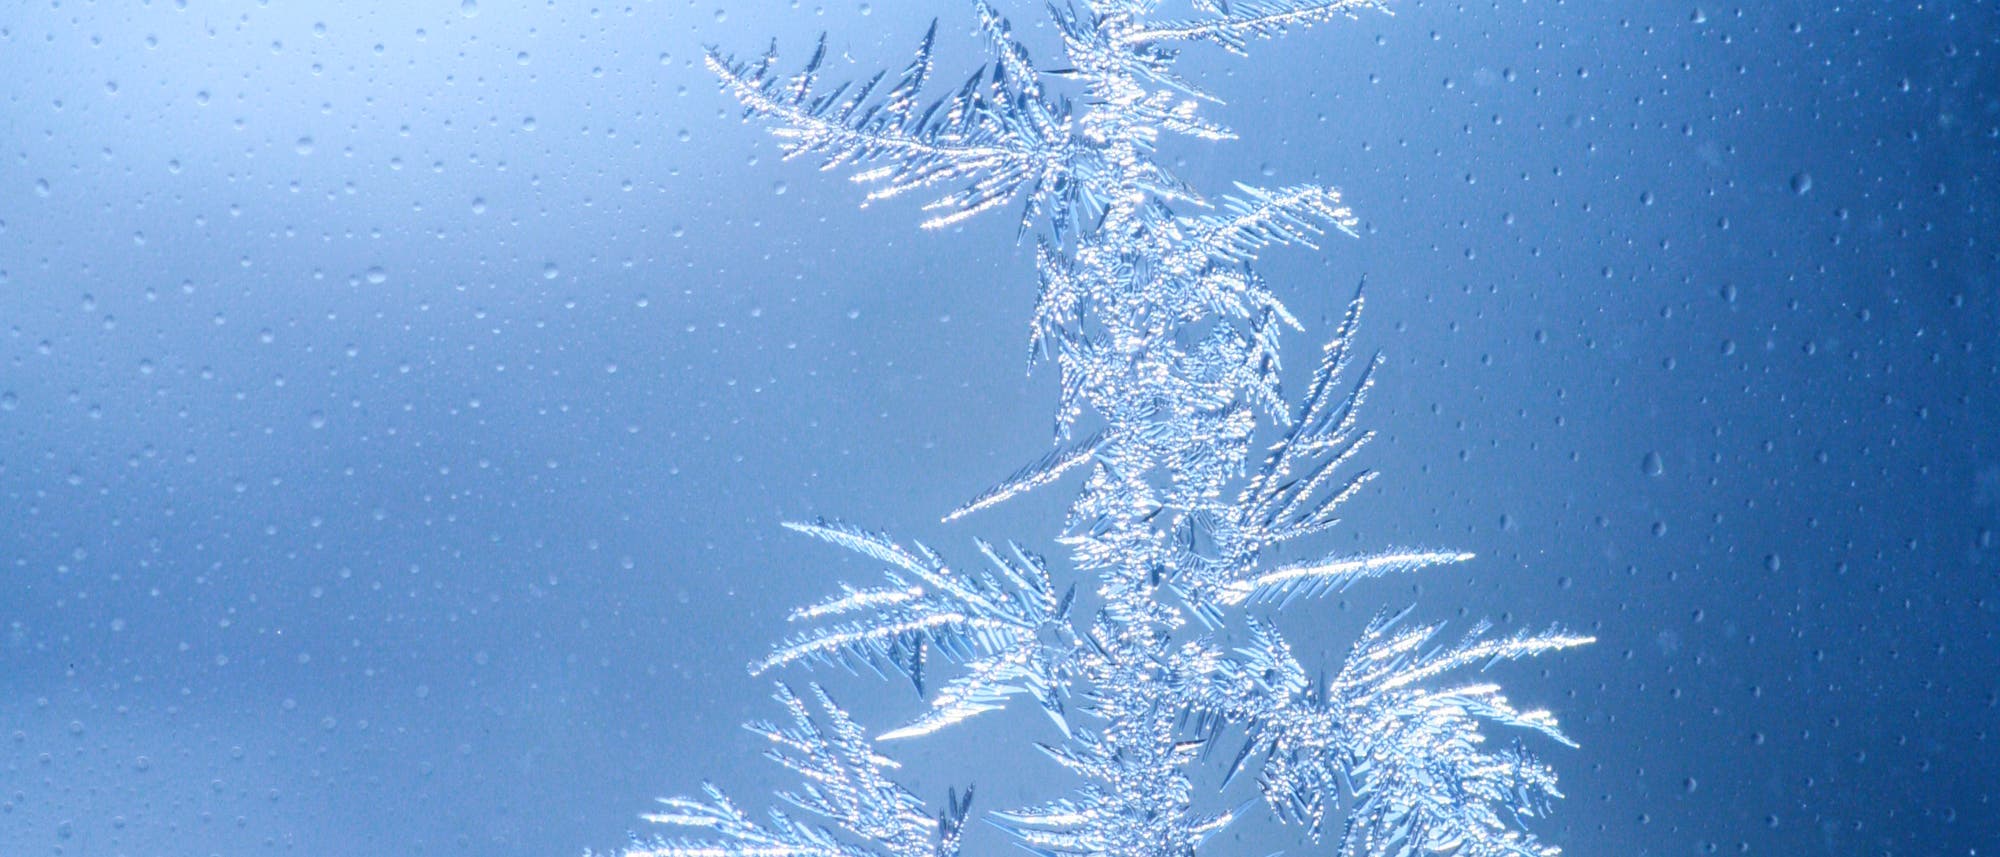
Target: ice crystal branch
(1166, 346)
(846, 785)
(993, 132)
(1233, 25)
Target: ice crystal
(1166, 345)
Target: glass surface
(399, 403)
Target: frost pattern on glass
(1166, 342)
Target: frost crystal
(1166, 343)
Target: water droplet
(304, 146)
(1801, 182)
(1653, 464)
(469, 8)
(377, 276)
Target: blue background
(398, 402)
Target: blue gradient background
(398, 402)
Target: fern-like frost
(1166, 344)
